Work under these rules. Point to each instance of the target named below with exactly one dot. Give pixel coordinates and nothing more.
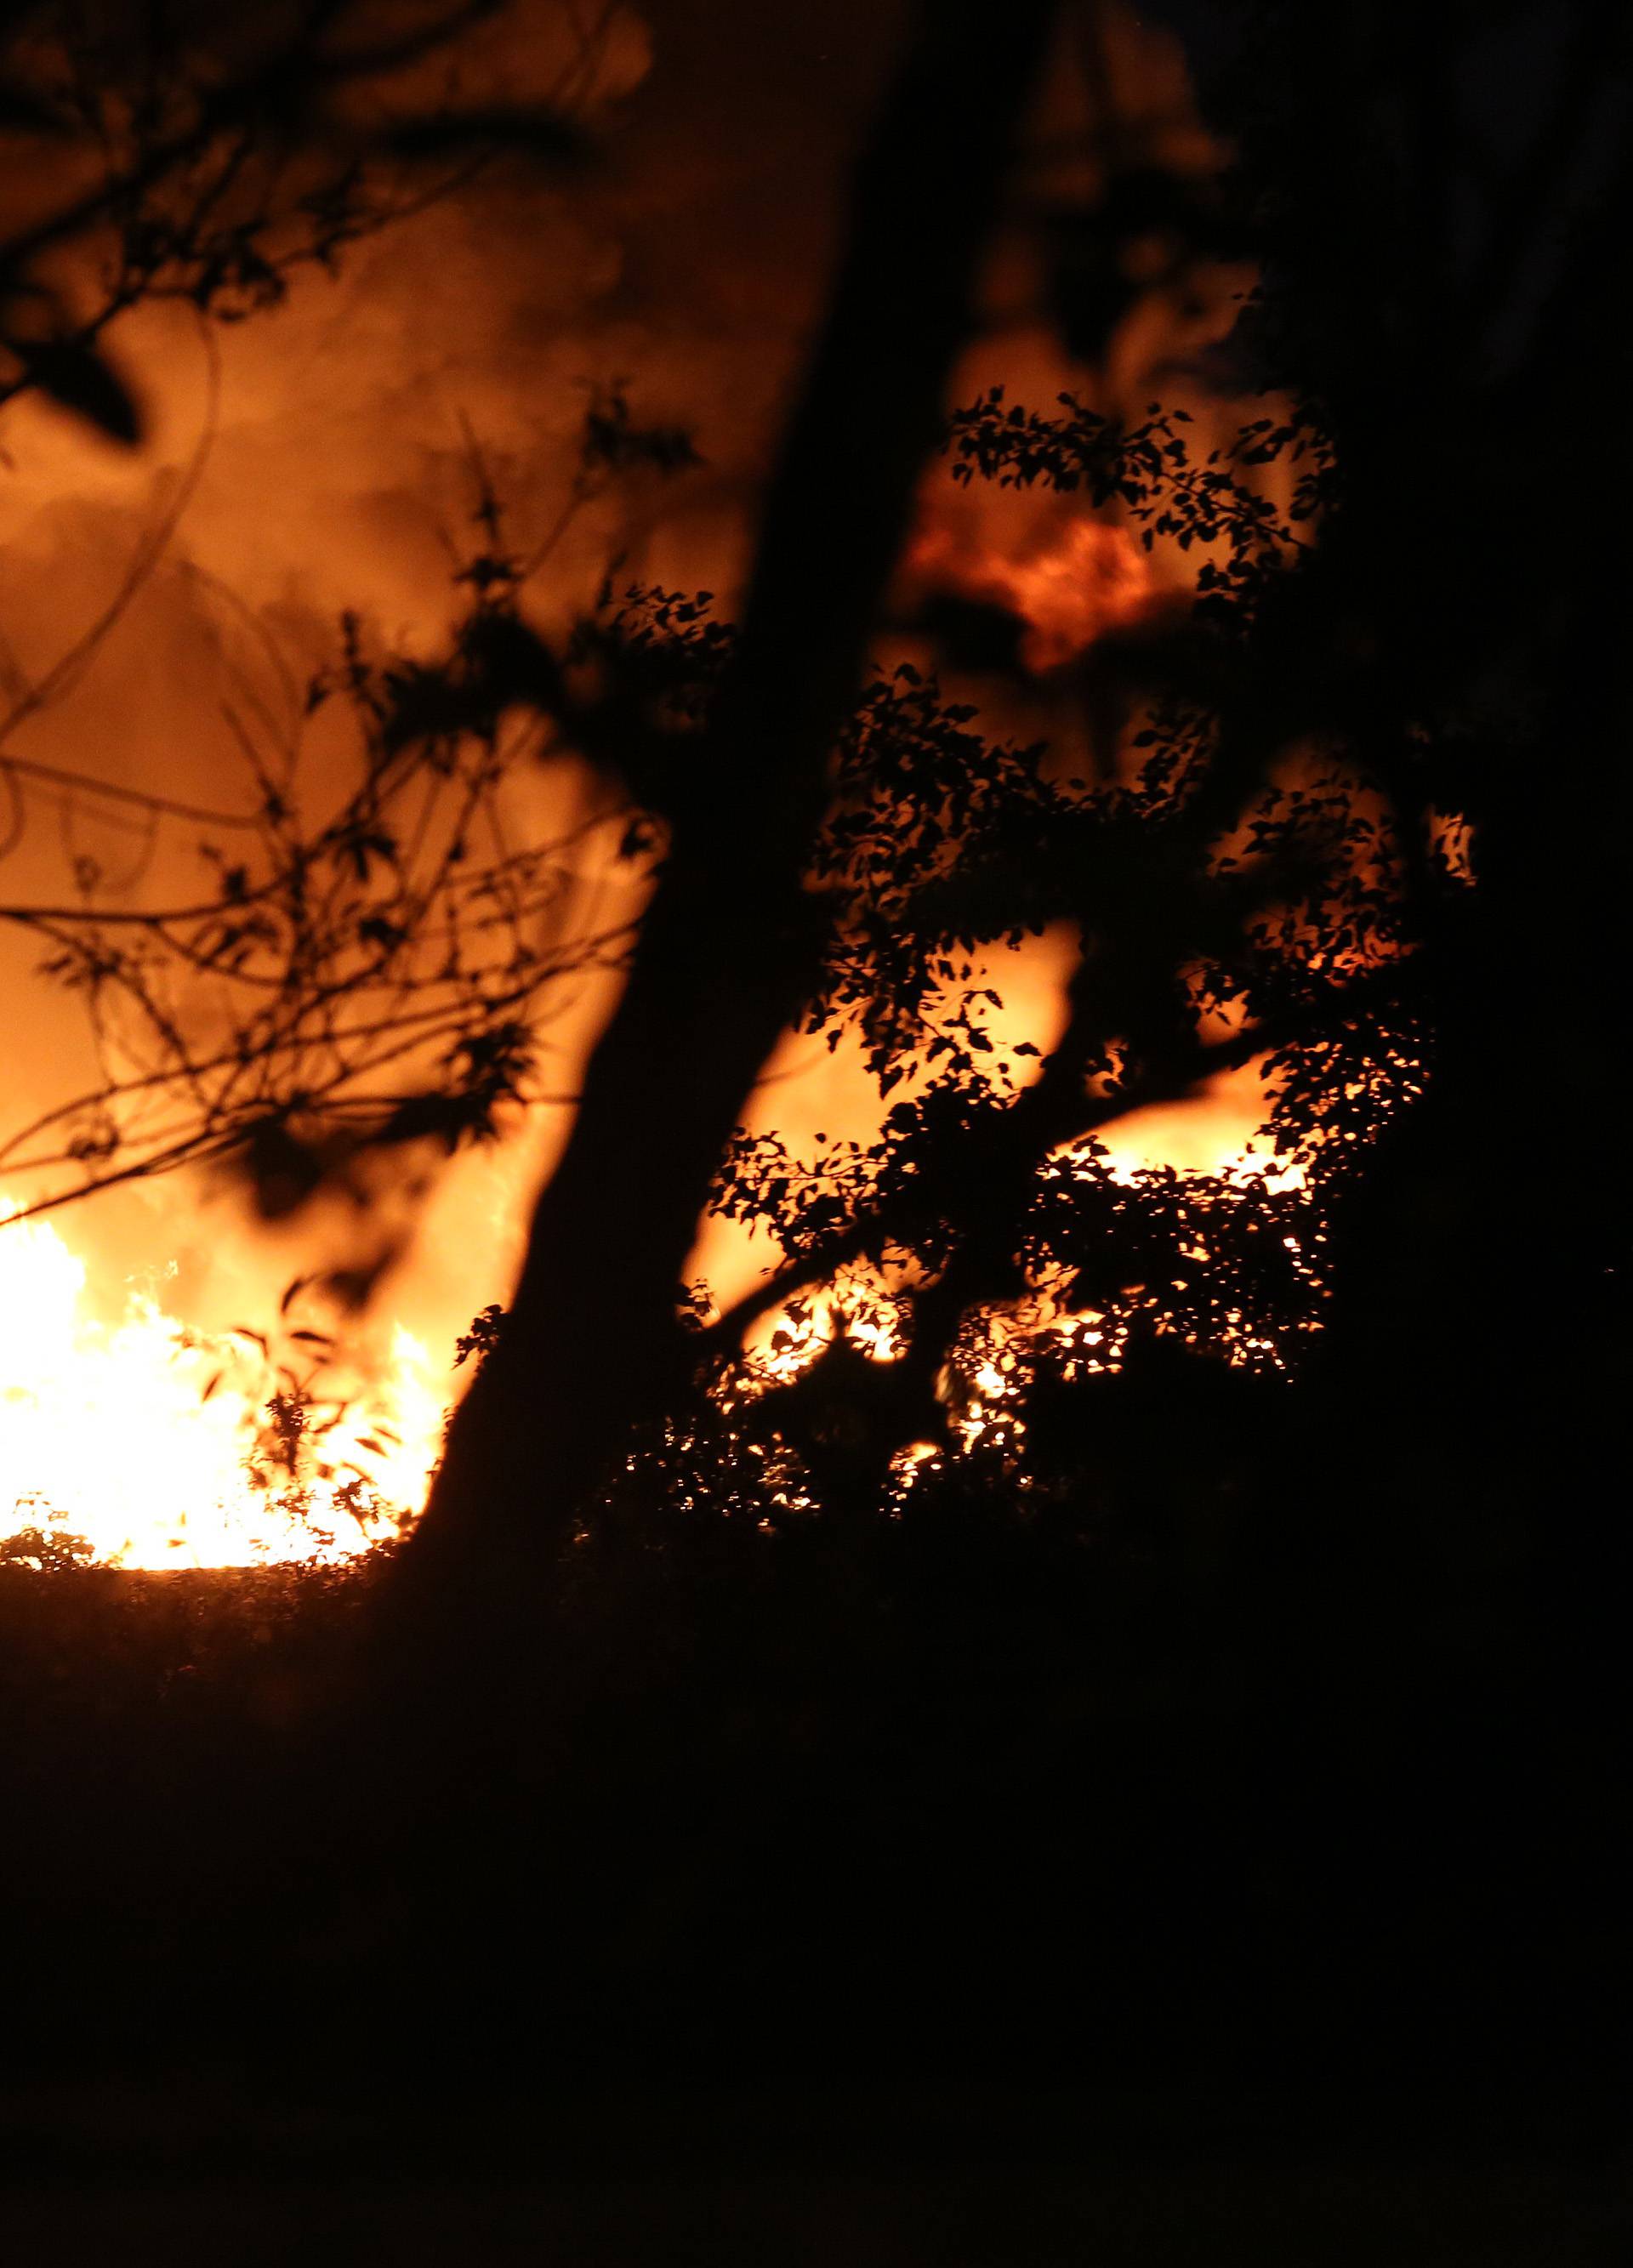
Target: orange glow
(781, 1344)
(1218, 1130)
(108, 1434)
(1215, 1136)
(1091, 578)
(481, 315)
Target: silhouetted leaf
(22, 112)
(538, 134)
(292, 1290)
(81, 380)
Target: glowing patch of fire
(107, 1434)
(1093, 578)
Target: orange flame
(111, 1442)
(1091, 578)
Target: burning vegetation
(443, 863)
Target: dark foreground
(973, 1890)
(199, 2170)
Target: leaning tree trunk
(593, 1343)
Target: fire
(139, 1442)
(112, 1437)
(1091, 578)
(786, 1341)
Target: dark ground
(195, 2171)
(1193, 1884)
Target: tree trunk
(593, 1343)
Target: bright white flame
(107, 1432)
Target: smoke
(326, 446)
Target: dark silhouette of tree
(357, 945)
(728, 942)
(1336, 715)
(935, 842)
